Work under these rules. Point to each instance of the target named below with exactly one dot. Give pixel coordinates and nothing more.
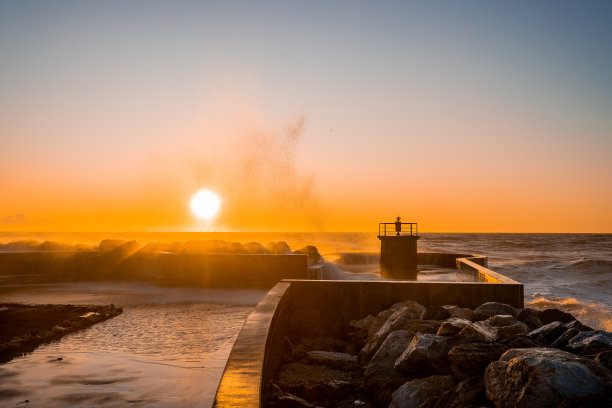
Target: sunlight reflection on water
(167, 349)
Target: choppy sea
(170, 345)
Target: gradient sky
(306, 115)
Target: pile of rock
(448, 356)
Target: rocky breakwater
(413, 356)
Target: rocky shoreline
(411, 356)
(25, 327)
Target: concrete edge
(241, 382)
(478, 264)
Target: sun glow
(205, 204)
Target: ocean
(170, 345)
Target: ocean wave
(596, 315)
(592, 265)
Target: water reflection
(167, 349)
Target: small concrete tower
(398, 249)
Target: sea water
(170, 345)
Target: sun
(205, 204)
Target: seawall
(160, 268)
(307, 308)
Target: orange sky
(319, 118)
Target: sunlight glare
(205, 204)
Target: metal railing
(397, 229)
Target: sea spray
(596, 315)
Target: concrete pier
(398, 249)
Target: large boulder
(423, 326)
(467, 360)
(314, 257)
(541, 377)
(576, 324)
(321, 344)
(396, 321)
(360, 330)
(489, 309)
(562, 340)
(416, 357)
(340, 361)
(435, 313)
(463, 313)
(517, 328)
(413, 393)
(381, 378)
(605, 358)
(548, 333)
(501, 320)
(470, 392)
(477, 332)
(452, 326)
(315, 383)
(530, 318)
(590, 342)
(379, 320)
(555, 315)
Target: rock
(435, 313)
(467, 393)
(586, 402)
(605, 358)
(361, 329)
(505, 332)
(315, 383)
(463, 313)
(477, 332)
(362, 324)
(524, 313)
(554, 315)
(321, 344)
(423, 326)
(467, 360)
(576, 324)
(548, 333)
(380, 319)
(396, 321)
(541, 377)
(413, 393)
(381, 378)
(437, 354)
(288, 401)
(519, 341)
(279, 248)
(339, 361)
(562, 340)
(452, 326)
(314, 257)
(590, 342)
(415, 358)
(409, 303)
(501, 320)
(533, 322)
(489, 309)
(450, 308)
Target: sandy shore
(25, 327)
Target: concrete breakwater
(127, 261)
(297, 309)
(410, 356)
(316, 343)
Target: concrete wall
(160, 268)
(300, 308)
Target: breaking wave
(596, 315)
